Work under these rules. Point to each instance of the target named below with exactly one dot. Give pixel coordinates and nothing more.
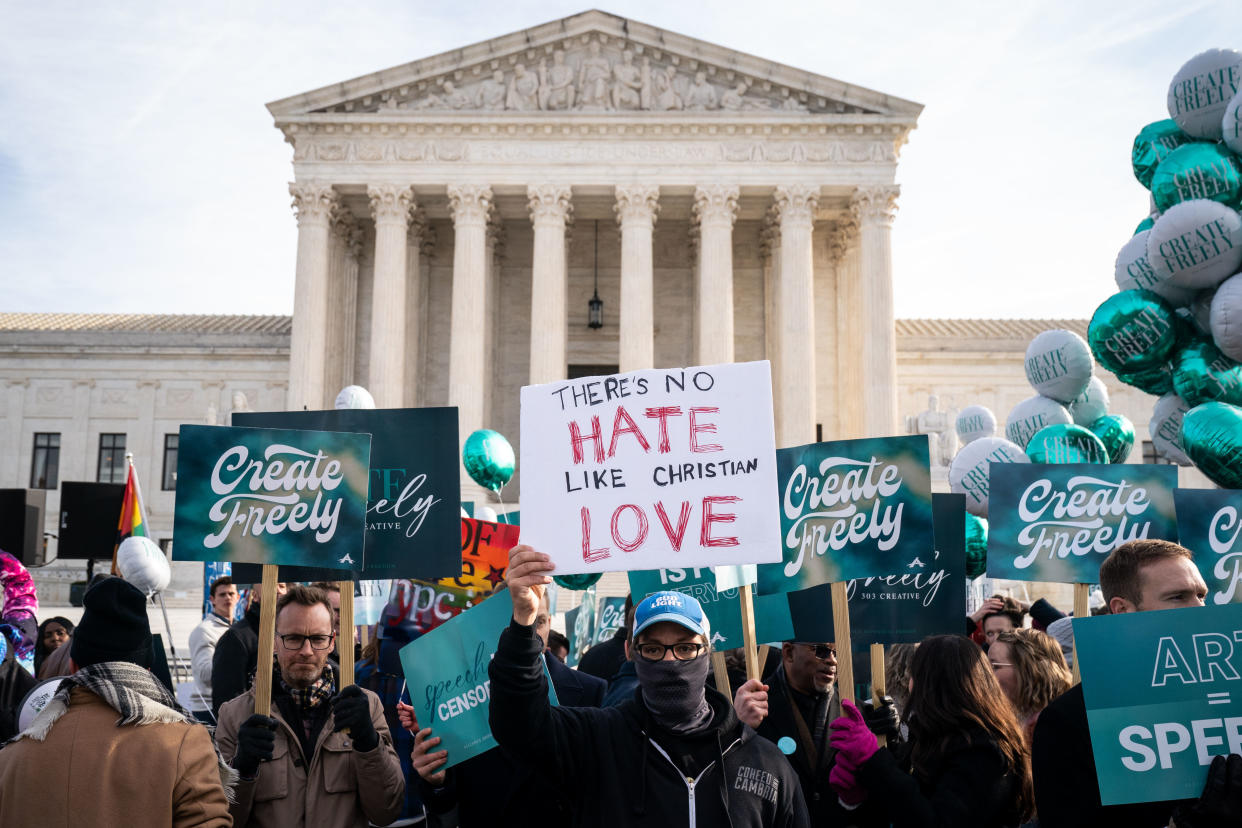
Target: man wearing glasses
(323, 758)
(674, 754)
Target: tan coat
(339, 788)
(90, 772)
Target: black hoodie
(610, 764)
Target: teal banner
(850, 509)
(269, 496)
(1162, 698)
(1059, 522)
(580, 627)
(1209, 525)
(611, 618)
(446, 671)
(722, 607)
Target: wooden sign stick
(364, 635)
(763, 658)
(841, 626)
(1082, 593)
(877, 682)
(345, 638)
(267, 642)
(720, 670)
(749, 649)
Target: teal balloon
(1152, 145)
(976, 546)
(1116, 432)
(1197, 170)
(1066, 443)
(1145, 224)
(1201, 373)
(1156, 381)
(1132, 331)
(488, 459)
(1212, 437)
(578, 582)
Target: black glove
(256, 739)
(1220, 804)
(882, 721)
(350, 709)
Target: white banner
(652, 469)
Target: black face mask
(674, 692)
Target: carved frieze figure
(523, 95)
(627, 86)
(556, 85)
(454, 98)
(492, 92)
(664, 95)
(701, 95)
(732, 99)
(791, 104)
(939, 427)
(432, 101)
(593, 79)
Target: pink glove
(843, 780)
(851, 738)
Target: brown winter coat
(88, 772)
(341, 788)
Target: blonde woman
(1030, 668)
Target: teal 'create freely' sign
(271, 496)
(446, 671)
(580, 627)
(1164, 695)
(1059, 522)
(1209, 524)
(723, 608)
(611, 618)
(850, 509)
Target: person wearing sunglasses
(673, 754)
(323, 757)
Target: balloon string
(504, 516)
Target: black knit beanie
(114, 626)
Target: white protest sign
(651, 469)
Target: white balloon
(1132, 271)
(464, 513)
(141, 562)
(36, 699)
(1059, 364)
(1091, 404)
(970, 472)
(1195, 244)
(1231, 124)
(1201, 91)
(354, 396)
(1226, 317)
(485, 513)
(1166, 428)
(974, 422)
(1032, 414)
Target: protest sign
(639, 470)
(446, 671)
(611, 618)
(851, 509)
(1162, 697)
(484, 555)
(722, 607)
(580, 627)
(1209, 525)
(413, 489)
(1059, 522)
(369, 600)
(271, 496)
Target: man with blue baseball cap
(677, 753)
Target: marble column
(314, 204)
(342, 295)
(715, 209)
(851, 329)
(636, 208)
(770, 256)
(390, 207)
(549, 292)
(875, 208)
(794, 378)
(491, 313)
(470, 205)
(421, 242)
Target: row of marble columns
(859, 244)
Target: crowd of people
(984, 729)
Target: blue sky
(140, 172)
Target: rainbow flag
(132, 522)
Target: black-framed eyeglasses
(823, 652)
(293, 641)
(685, 651)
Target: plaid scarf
(133, 692)
(308, 698)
